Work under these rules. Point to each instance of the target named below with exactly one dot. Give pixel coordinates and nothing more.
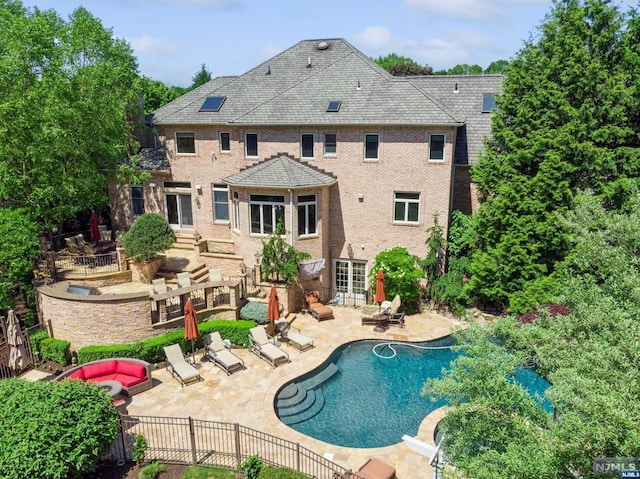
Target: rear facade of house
(350, 158)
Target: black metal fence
(220, 444)
(85, 265)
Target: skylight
(334, 105)
(213, 103)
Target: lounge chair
(215, 274)
(374, 314)
(184, 279)
(372, 469)
(178, 366)
(220, 355)
(296, 339)
(261, 347)
(315, 307)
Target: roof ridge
(436, 102)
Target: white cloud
(270, 50)
(374, 37)
(476, 10)
(148, 45)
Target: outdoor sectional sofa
(133, 374)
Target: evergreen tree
(200, 78)
(563, 123)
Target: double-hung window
(137, 200)
(225, 142)
(185, 142)
(306, 145)
(307, 207)
(371, 145)
(266, 211)
(251, 144)
(330, 142)
(220, 203)
(406, 208)
(436, 147)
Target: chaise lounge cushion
(375, 469)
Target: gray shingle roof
(153, 159)
(281, 171)
(285, 90)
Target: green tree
(279, 259)
(434, 263)
(67, 106)
(53, 430)
(200, 78)
(499, 66)
(398, 65)
(157, 94)
(18, 252)
(563, 123)
(401, 276)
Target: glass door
(350, 281)
(179, 211)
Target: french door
(350, 281)
(179, 211)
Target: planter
(145, 271)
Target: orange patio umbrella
(93, 227)
(190, 324)
(379, 297)
(273, 310)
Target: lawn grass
(200, 472)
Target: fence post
(124, 446)
(236, 428)
(192, 436)
(298, 456)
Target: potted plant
(148, 236)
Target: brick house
(352, 159)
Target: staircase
(301, 401)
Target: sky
(172, 39)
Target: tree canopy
(201, 77)
(398, 65)
(67, 110)
(567, 120)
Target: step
(310, 398)
(307, 414)
(284, 403)
(288, 391)
(324, 375)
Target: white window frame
(335, 145)
(184, 201)
(377, 157)
(185, 134)
(313, 145)
(406, 202)
(220, 139)
(304, 208)
(274, 206)
(220, 188)
(352, 289)
(444, 146)
(139, 199)
(236, 211)
(246, 145)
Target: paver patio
(247, 396)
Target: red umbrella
(190, 323)
(273, 310)
(379, 297)
(93, 227)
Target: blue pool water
(372, 402)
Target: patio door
(179, 211)
(350, 281)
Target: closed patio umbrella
(273, 310)
(379, 297)
(16, 342)
(93, 228)
(190, 324)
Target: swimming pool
(357, 399)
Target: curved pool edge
(352, 457)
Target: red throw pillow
(99, 369)
(131, 369)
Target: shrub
(55, 350)
(53, 429)
(279, 258)
(148, 235)
(151, 350)
(401, 275)
(139, 449)
(272, 472)
(251, 467)
(151, 471)
(35, 338)
(254, 311)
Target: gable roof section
(295, 86)
(281, 171)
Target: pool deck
(247, 396)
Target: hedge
(56, 350)
(151, 350)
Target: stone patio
(247, 397)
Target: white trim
(364, 145)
